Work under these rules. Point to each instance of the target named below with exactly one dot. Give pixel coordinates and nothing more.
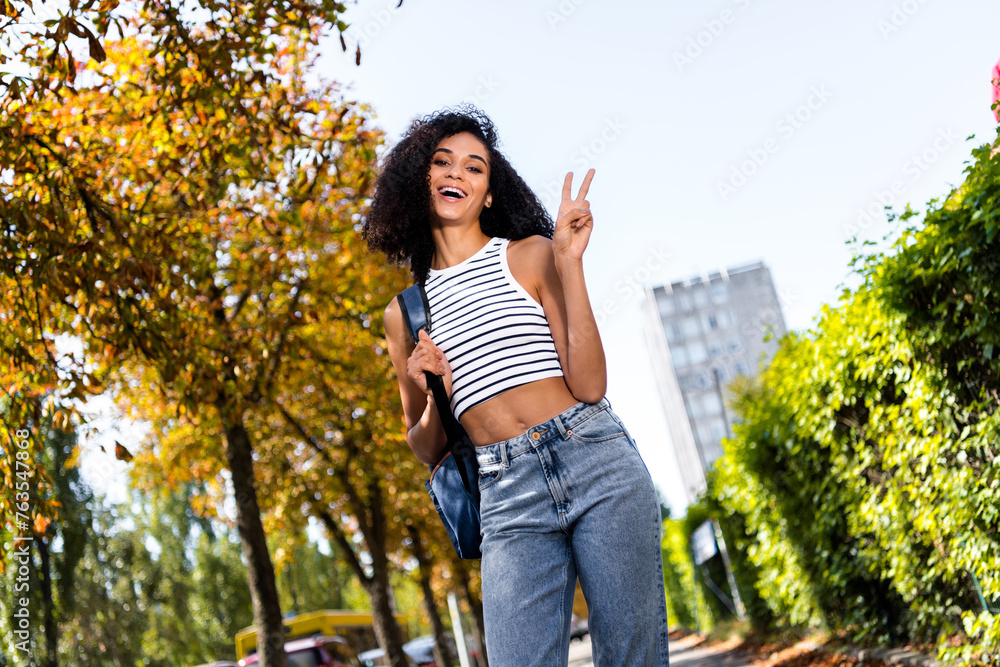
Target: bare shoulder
(532, 251)
(392, 315)
(532, 265)
(392, 319)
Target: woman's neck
(453, 245)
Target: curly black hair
(398, 222)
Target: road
(684, 652)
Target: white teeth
(455, 192)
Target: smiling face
(459, 178)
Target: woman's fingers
(567, 191)
(578, 217)
(582, 194)
(426, 356)
(418, 366)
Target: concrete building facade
(702, 333)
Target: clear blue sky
(833, 104)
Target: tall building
(701, 333)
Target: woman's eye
(442, 162)
(476, 169)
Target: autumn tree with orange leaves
(200, 239)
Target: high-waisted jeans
(571, 498)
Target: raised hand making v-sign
(574, 221)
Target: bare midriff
(516, 410)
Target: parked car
(376, 658)
(316, 651)
(420, 652)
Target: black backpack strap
(417, 313)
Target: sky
(722, 132)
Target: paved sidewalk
(684, 652)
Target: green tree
(54, 547)
(196, 599)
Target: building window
(694, 408)
(707, 435)
(697, 352)
(714, 350)
(689, 327)
(742, 368)
(712, 322)
(725, 319)
(684, 302)
(735, 345)
(703, 382)
(666, 305)
(679, 356)
(673, 332)
(720, 292)
(701, 297)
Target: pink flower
(996, 89)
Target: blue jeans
(571, 498)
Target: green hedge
(686, 602)
(865, 469)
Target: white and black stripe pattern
(493, 333)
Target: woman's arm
(424, 433)
(560, 288)
(563, 294)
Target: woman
(564, 493)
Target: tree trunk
(260, 570)
(386, 629)
(51, 631)
(476, 605)
(372, 524)
(441, 655)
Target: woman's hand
(427, 356)
(574, 221)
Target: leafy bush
(864, 465)
(686, 604)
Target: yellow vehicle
(353, 628)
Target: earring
(489, 201)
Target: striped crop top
(494, 335)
